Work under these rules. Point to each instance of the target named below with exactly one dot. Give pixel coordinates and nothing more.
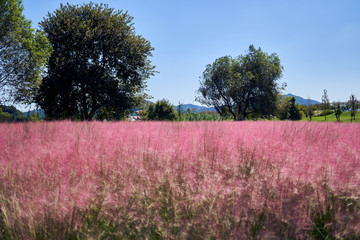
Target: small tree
(338, 108)
(325, 103)
(34, 117)
(283, 108)
(288, 110)
(180, 111)
(161, 110)
(309, 110)
(353, 105)
(294, 112)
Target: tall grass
(184, 180)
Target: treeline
(163, 110)
(11, 114)
(291, 111)
(337, 108)
(286, 109)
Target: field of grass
(182, 180)
(345, 117)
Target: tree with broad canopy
(246, 86)
(99, 65)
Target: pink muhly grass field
(182, 180)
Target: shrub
(288, 110)
(161, 110)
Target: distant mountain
(10, 114)
(185, 107)
(195, 108)
(303, 101)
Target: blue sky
(318, 42)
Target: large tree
(245, 86)
(99, 66)
(23, 54)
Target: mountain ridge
(303, 101)
(197, 108)
(194, 107)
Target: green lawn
(345, 117)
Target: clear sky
(317, 41)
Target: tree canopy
(161, 110)
(294, 110)
(23, 54)
(287, 109)
(245, 86)
(99, 65)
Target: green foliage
(4, 116)
(180, 112)
(309, 111)
(338, 110)
(288, 110)
(111, 114)
(294, 112)
(184, 115)
(283, 108)
(99, 66)
(34, 117)
(150, 115)
(23, 54)
(190, 115)
(161, 110)
(11, 114)
(245, 86)
(325, 113)
(353, 106)
(345, 117)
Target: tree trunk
(231, 111)
(85, 112)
